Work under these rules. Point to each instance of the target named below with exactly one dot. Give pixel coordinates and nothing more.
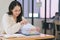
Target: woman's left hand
(35, 29)
(38, 29)
(25, 21)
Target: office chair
(56, 29)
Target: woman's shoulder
(6, 15)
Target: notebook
(26, 30)
(13, 35)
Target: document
(26, 29)
(13, 35)
(1, 35)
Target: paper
(1, 35)
(26, 29)
(13, 35)
(42, 35)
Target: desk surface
(42, 36)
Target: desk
(36, 37)
(0, 38)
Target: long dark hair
(11, 7)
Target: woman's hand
(38, 29)
(24, 22)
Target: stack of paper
(13, 35)
(1, 35)
(26, 29)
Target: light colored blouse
(9, 24)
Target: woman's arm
(8, 25)
(24, 21)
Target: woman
(13, 20)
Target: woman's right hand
(23, 22)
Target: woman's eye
(16, 10)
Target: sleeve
(8, 26)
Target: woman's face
(16, 11)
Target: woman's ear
(11, 10)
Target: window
(52, 7)
(39, 11)
(28, 8)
